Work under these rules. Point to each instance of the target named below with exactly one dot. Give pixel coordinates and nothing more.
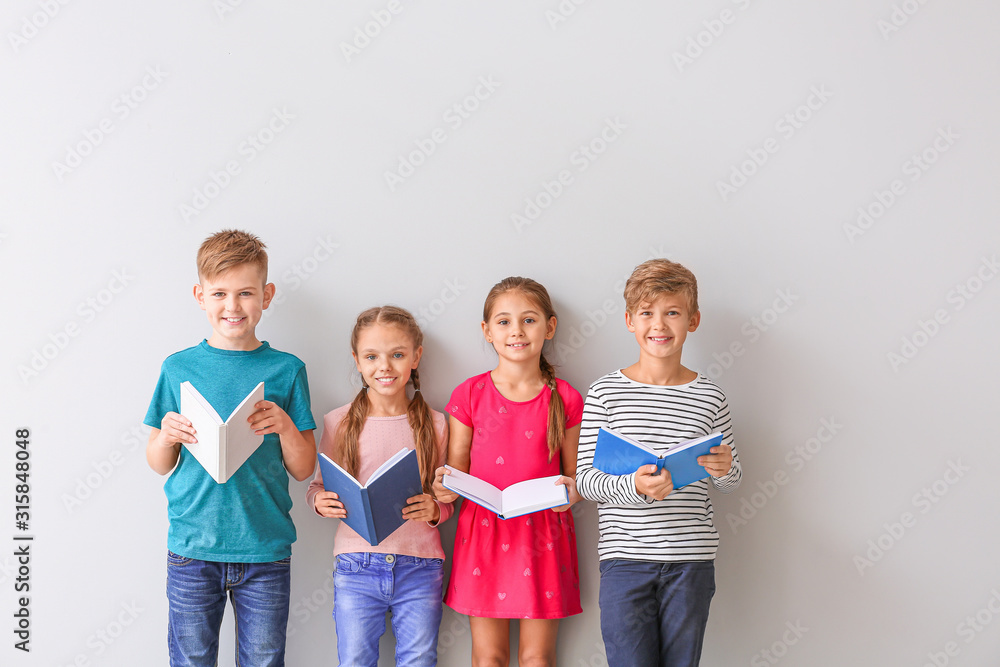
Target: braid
(346, 440)
(418, 414)
(556, 430)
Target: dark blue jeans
(196, 593)
(655, 613)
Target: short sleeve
(165, 400)
(572, 403)
(460, 404)
(299, 406)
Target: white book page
(532, 495)
(207, 428)
(240, 440)
(691, 443)
(473, 488)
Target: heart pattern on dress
(499, 460)
(528, 521)
(502, 410)
(477, 572)
(501, 595)
(527, 571)
(549, 594)
(505, 547)
(480, 385)
(528, 434)
(485, 522)
(549, 545)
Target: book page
(207, 429)
(532, 495)
(240, 439)
(473, 488)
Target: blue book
(375, 509)
(617, 454)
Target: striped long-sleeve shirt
(632, 526)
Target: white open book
(222, 446)
(524, 497)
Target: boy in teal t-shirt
(231, 539)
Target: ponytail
(556, 430)
(418, 413)
(349, 431)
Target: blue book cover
(375, 510)
(617, 454)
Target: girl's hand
(574, 495)
(327, 505)
(718, 462)
(441, 493)
(422, 508)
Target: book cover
(375, 509)
(223, 446)
(518, 499)
(617, 454)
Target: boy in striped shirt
(657, 545)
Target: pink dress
(523, 567)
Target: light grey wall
(741, 138)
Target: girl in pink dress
(514, 423)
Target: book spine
(223, 454)
(372, 536)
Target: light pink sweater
(381, 438)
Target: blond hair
(656, 277)
(228, 249)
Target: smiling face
(660, 327)
(517, 327)
(234, 301)
(385, 357)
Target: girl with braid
(510, 424)
(404, 573)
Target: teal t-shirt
(245, 520)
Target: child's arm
(459, 457)
(426, 507)
(723, 464)
(298, 448)
(325, 503)
(567, 454)
(594, 484)
(164, 445)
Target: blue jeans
(196, 593)
(366, 586)
(655, 613)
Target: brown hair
(229, 248)
(656, 277)
(418, 413)
(556, 429)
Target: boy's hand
(270, 418)
(327, 504)
(719, 462)
(574, 495)
(441, 493)
(649, 483)
(422, 508)
(174, 429)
